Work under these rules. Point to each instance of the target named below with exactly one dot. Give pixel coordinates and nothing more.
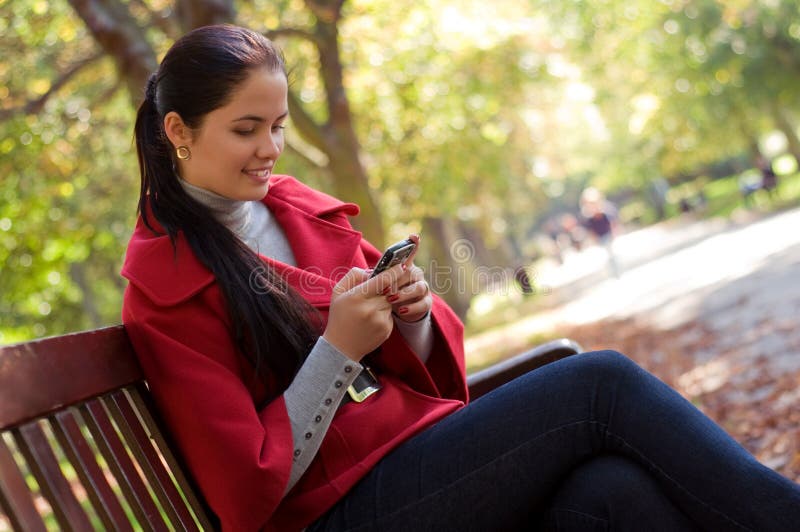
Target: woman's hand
(411, 300)
(360, 317)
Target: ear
(178, 133)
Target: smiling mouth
(259, 174)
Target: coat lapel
(325, 247)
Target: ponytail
(271, 324)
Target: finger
(354, 277)
(412, 274)
(409, 294)
(418, 308)
(414, 237)
(386, 281)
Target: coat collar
(315, 224)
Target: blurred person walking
(599, 217)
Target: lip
(258, 174)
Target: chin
(257, 193)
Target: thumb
(354, 277)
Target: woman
(252, 310)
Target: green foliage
(68, 179)
(494, 114)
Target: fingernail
(386, 290)
(392, 298)
(403, 265)
(402, 310)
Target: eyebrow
(257, 118)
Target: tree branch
(310, 130)
(36, 105)
(306, 152)
(292, 32)
(163, 20)
(120, 36)
(107, 94)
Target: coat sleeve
(239, 456)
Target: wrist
(340, 346)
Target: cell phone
(394, 254)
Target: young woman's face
(237, 145)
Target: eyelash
(251, 131)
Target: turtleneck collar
(234, 214)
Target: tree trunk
(196, 13)
(450, 270)
(342, 146)
(77, 273)
(784, 123)
(483, 256)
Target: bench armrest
(500, 373)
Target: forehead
(263, 92)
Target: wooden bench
(80, 443)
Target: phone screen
(394, 254)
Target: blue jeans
(591, 442)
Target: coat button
(338, 384)
(318, 419)
(308, 435)
(297, 452)
(328, 401)
(348, 369)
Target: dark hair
(272, 325)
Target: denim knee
(608, 362)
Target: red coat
(240, 456)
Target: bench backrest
(80, 448)
(80, 444)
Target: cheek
(237, 152)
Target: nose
(270, 147)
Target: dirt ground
(712, 308)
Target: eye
(278, 127)
(244, 132)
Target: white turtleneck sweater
(318, 388)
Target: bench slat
(43, 464)
(75, 445)
(140, 398)
(113, 450)
(15, 496)
(148, 459)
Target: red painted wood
(39, 377)
(16, 498)
(43, 463)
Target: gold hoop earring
(183, 153)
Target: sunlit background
(475, 120)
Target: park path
(712, 307)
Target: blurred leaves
(493, 115)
